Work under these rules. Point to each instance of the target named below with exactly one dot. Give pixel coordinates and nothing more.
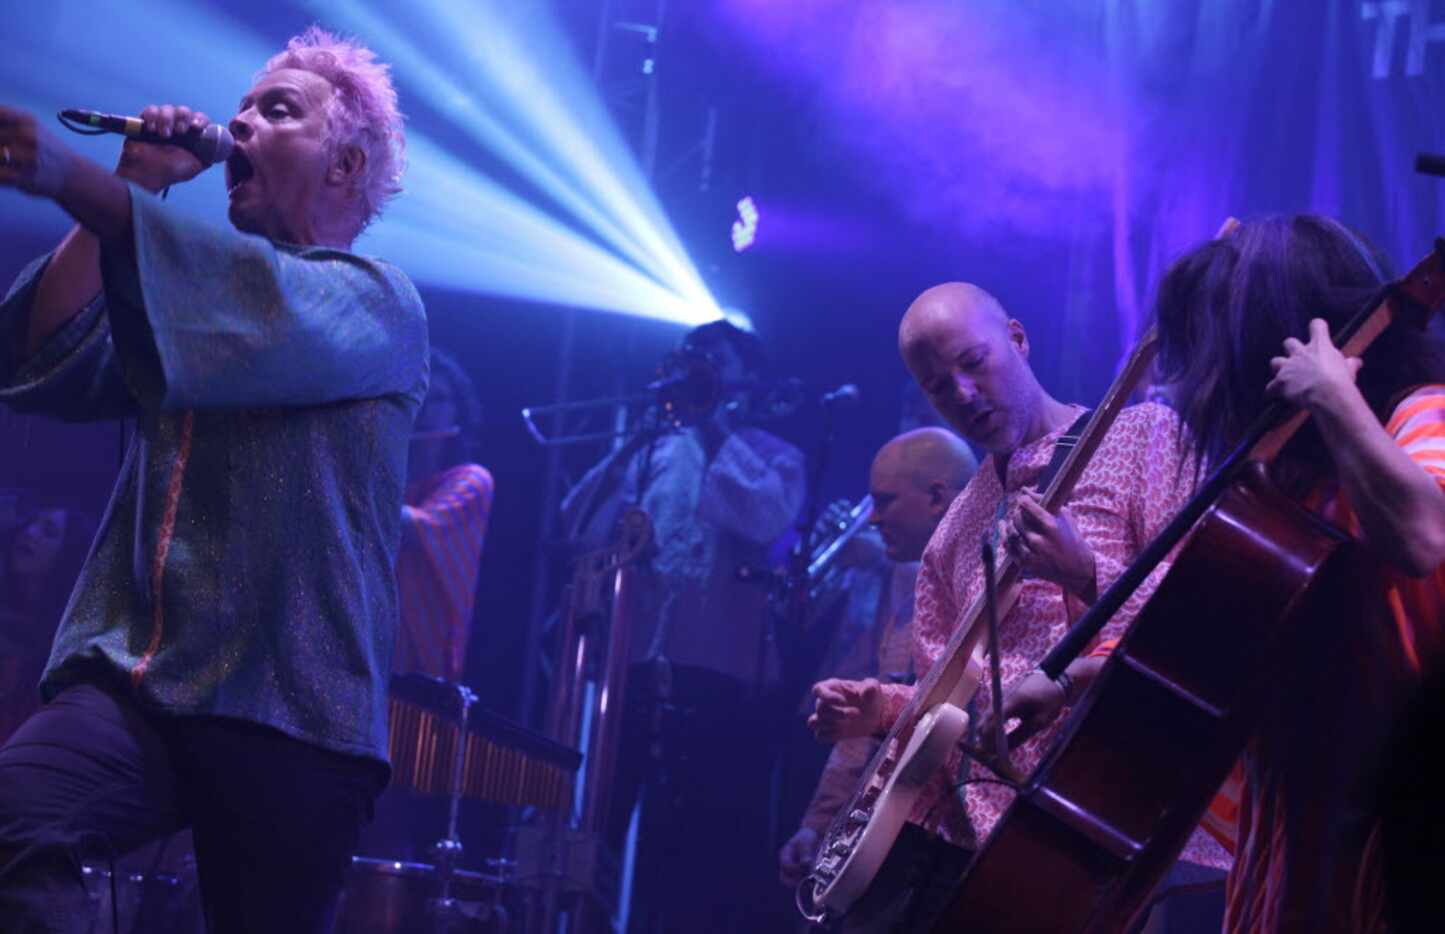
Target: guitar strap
(1062, 447)
(1066, 443)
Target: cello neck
(1411, 300)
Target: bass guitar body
(851, 855)
(1104, 816)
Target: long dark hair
(1225, 308)
(450, 379)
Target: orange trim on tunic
(163, 547)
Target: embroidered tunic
(244, 565)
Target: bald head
(913, 481)
(971, 361)
(950, 307)
(929, 456)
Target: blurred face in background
(907, 506)
(38, 544)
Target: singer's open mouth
(238, 170)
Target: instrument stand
(575, 874)
(447, 913)
(566, 860)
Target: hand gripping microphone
(211, 144)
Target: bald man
(971, 359)
(913, 480)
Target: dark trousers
(697, 753)
(275, 820)
(912, 886)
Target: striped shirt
(443, 525)
(1307, 853)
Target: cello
(1101, 820)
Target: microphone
(676, 381)
(1428, 163)
(211, 144)
(845, 396)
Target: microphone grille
(214, 145)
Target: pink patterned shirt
(1133, 485)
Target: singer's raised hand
(155, 167)
(32, 158)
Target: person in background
(698, 695)
(38, 566)
(913, 480)
(444, 524)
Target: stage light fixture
(745, 228)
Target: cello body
(1103, 818)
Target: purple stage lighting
(981, 115)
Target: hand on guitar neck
(1049, 547)
(844, 709)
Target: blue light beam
(549, 125)
(452, 227)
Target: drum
(389, 897)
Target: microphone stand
(447, 912)
(794, 643)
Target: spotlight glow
(503, 76)
(506, 75)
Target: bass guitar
(934, 722)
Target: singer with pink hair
(222, 661)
